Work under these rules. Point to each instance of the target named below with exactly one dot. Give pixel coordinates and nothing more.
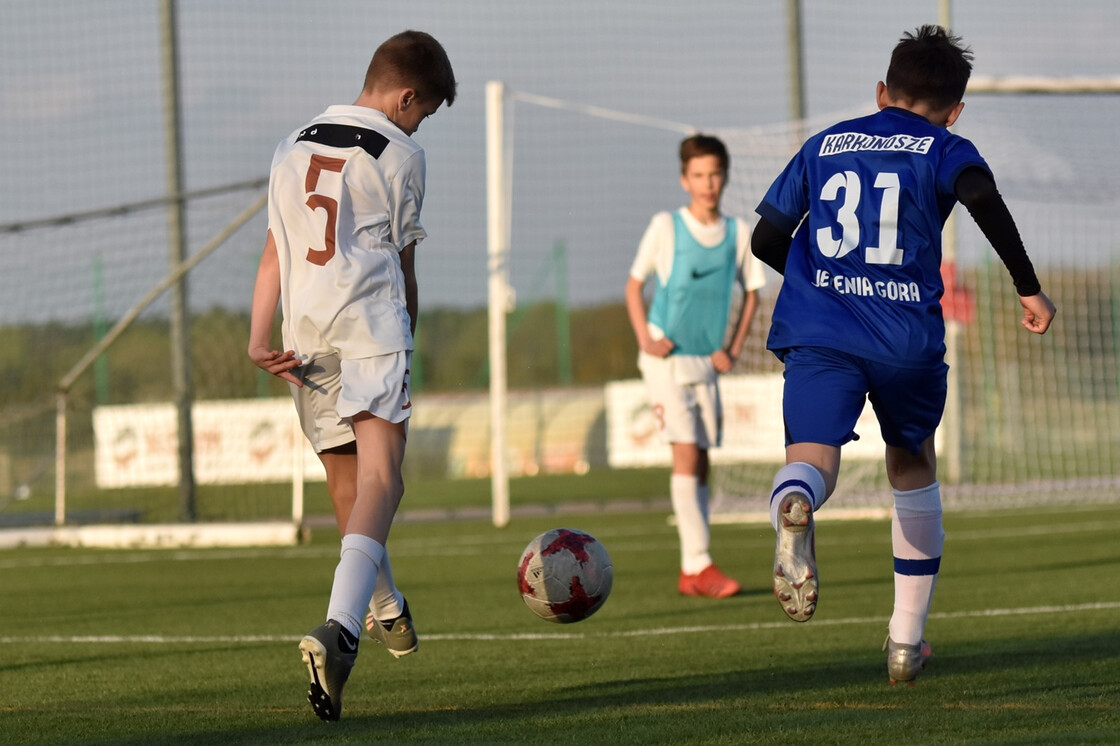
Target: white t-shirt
(340, 217)
(655, 257)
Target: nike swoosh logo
(697, 274)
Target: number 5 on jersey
(320, 163)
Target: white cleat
(795, 560)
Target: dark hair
(413, 59)
(698, 145)
(930, 65)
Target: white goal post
(501, 297)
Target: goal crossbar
(1026, 84)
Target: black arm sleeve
(977, 191)
(771, 245)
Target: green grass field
(199, 646)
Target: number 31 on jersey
(848, 183)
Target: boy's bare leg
(825, 458)
(380, 486)
(387, 604)
(341, 466)
(912, 471)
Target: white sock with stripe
(796, 477)
(917, 540)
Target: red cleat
(708, 583)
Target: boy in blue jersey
(859, 315)
(698, 257)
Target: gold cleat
(905, 662)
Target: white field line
(534, 636)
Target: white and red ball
(564, 575)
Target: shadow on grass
(790, 699)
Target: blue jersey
(693, 305)
(868, 198)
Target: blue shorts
(825, 392)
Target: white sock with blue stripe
(917, 539)
(796, 477)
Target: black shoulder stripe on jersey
(345, 136)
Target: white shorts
(335, 390)
(689, 412)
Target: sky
(82, 113)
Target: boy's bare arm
(411, 287)
(724, 359)
(266, 294)
(636, 310)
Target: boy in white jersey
(345, 194)
(698, 257)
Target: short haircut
(699, 145)
(930, 65)
(413, 59)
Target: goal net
(84, 244)
(1029, 419)
(94, 441)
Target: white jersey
(655, 256)
(345, 194)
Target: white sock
(797, 477)
(703, 497)
(692, 522)
(355, 577)
(917, 539)
(387, 602)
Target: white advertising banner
(238, 441)
(259, 440)
(753, 429)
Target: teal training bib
(693, 305)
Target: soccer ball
(564, 575)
